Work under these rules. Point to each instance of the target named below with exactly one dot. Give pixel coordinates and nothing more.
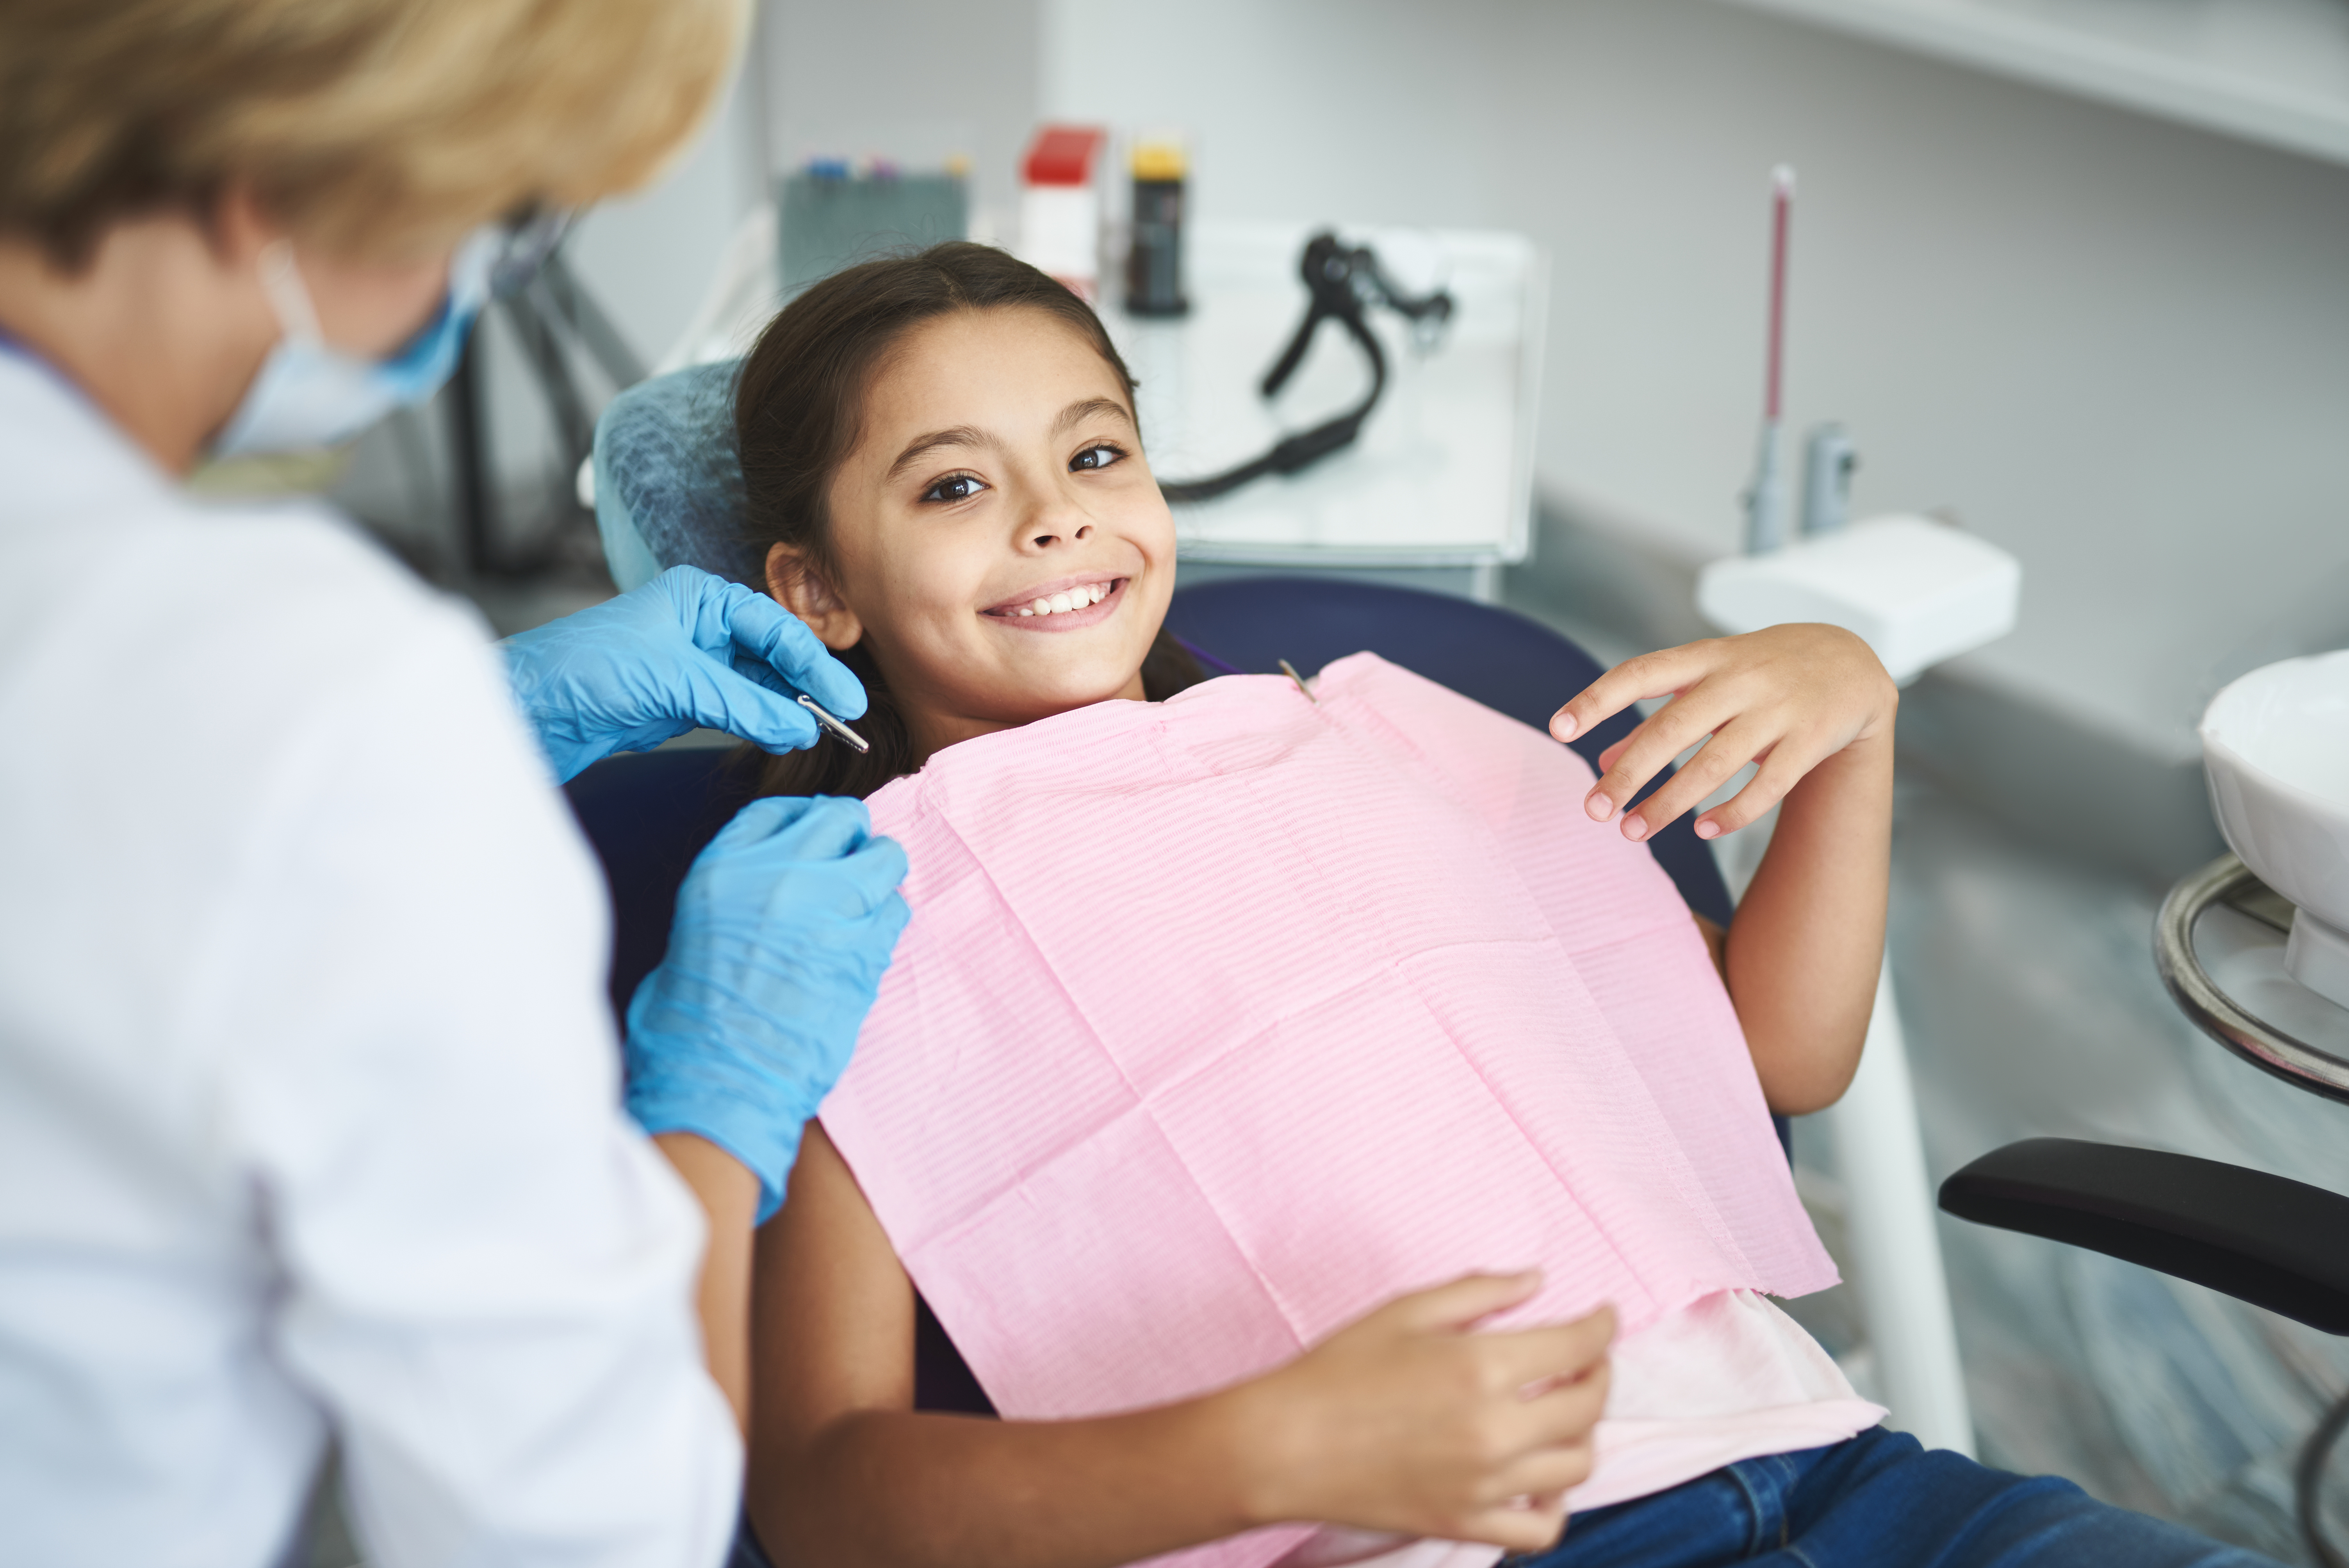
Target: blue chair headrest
(669, 479)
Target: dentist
(312, 1125)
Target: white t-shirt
(1729, 1377)
(309, 1102)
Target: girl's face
(995, 531)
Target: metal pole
(469, 446)
(1895, 1250)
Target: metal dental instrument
(1291, 671)
(834, 725)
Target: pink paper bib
(1222, 1020)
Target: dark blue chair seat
(648, 814)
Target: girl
(942, 459)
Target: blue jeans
(1878, 1500)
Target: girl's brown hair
(797, 412)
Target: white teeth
(1061, 604)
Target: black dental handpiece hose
(1329, 269)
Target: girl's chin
(1064, 690)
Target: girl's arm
(1812, 705)
(728, 1195)
(1403, 1421)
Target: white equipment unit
(1916, 591)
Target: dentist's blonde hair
(377, 128)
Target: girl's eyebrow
(1075, 413)
(922, 446)
(1085, 408)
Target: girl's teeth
(1061, 603)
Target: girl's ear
(796, 584)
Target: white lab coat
(309, 1109)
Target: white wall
(875, 63)
(2118, 347)
(648, 256)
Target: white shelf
(2270, 71)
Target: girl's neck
(932, 729)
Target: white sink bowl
(2275, 750)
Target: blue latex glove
(687, 648)
(783, 927)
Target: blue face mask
(310, 394)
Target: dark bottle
(1154, 263)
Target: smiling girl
(943, 461)
(953, 634)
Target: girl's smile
(1066, 604)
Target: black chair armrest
(2274, 1242)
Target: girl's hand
(1408, 1421)
(1787, 697)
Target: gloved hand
(783, 927)
(687, 648)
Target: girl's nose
(1054, 524)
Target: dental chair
(2267, 1240)
(668, 492)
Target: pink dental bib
(1222, 1020)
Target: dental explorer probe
(832, 724)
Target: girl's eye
(1100, 455)
(953, 488)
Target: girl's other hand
(1787, 697)
(1409, 1421)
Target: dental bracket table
(1441, 476)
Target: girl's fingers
(1779, 772)
(1542, 1360)
(1533, 1526)
(1646, 751)
(1555, 1353)
(1659, 673)
(1559, 1416)
(1732, 748)
(1463, 1302)
(1544, 1475)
